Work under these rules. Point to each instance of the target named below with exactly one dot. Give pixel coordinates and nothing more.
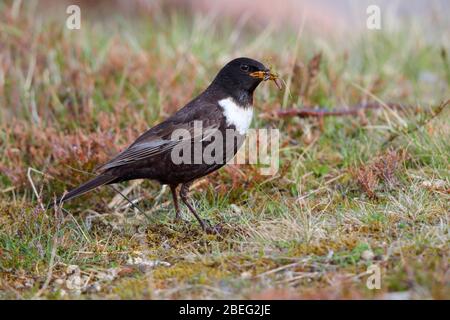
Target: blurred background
(351, 190)
(320, 15)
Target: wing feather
(154, 144)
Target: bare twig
(127, 199)
(307, 112)
(116, 200)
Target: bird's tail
(86, 187)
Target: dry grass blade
(51, 263)
(433, 114)
(311, 76)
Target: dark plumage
(225, 104)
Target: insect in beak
(267, 75)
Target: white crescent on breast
(237, 115)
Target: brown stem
(357, 109)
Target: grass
(341, 201)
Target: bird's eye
(245, 67)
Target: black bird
(225, 104)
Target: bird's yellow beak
(267, 75)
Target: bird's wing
(161, 138)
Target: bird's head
(243, 74)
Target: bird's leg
(184, 196)
(173, 188)
(205, 226)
